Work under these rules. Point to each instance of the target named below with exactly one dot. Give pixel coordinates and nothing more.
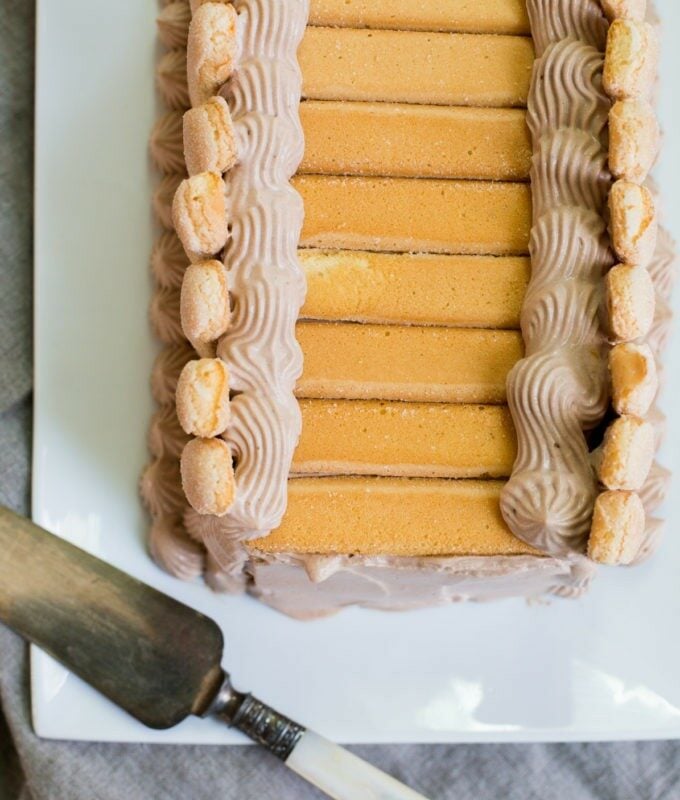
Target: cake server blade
(157, 659)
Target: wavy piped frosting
(560, 387)
(570, 169)
(267, 289)
(267, 285)
(555, 20)
(566, 91)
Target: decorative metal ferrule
(258, 721)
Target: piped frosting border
(586, 316)
(242, 146)
(238, 298)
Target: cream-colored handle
(341, 775)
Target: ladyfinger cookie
(625, 9)
(630, 302)
(420, 289)
(204, 305)
(408, 67)
(199, 215)
(209, 140)
(208, 476)
(399, 516)
(633, 139)
(391, 362)
(371, 437)
(634, 379)
(626, 455)
(402, 140)
(631, 59)
(203, 397)
(211, 50)
(490, 16)
(618, 528)
(633, 222)
(401, 214)
(494, 16)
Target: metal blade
(153, 656)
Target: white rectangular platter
(603, 667)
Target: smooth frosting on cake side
(308, 586)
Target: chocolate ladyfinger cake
(413, 298)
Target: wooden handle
(342, 775)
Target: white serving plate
(603, 667)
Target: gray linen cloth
(31, 769)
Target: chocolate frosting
(310, 586)
(560, 387)
(166, 145)
(663, 266)
(168, 260)
(662, 269)
(174, 550)
(173, 24)
(171, 76)
(655, 488)
(267, 288)
(161, 488)
(554, 20)
(166, 437)
(266, 281)
(654, 531)
(166, 370)
(165, 315)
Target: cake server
(157, 659)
